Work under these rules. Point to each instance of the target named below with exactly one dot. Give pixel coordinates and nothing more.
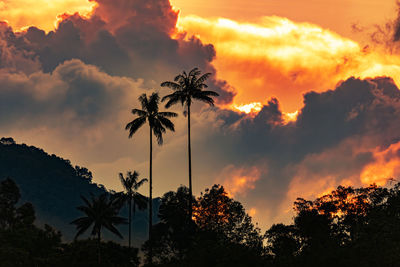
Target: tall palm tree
(100, 211)
(189, 87)
(158, 123)
(131, 184)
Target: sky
(309, 94)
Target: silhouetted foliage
(348, 227)
(83, 253)
(216, 237)
(23, 243)
(7, 141)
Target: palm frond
(82, 224)
(167, 123)
(205, 99)
(154, 99)
(167, 114)
(123, 181)
(138, 112)
(140, 183)
(144, 101)
(209, 93)
(172, 85)
(134, 125)
(173, 98)
(158, 131)
(112, 229)
(203, 78)
(194, 72)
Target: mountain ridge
(55, 187)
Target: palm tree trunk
(133, 213)
(130, 218)
(190, 167)
(98, 247)
(151, 202)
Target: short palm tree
(131, 184)
(188, 87)
(158, 123)
(100, 211)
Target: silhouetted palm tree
(189, 87)
(131, 184)
(158, 123)
(100, 211)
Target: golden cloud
(280, 58)
(41, 13)
(238, 181)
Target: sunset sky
(309, 91)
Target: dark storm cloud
(124, 38)
(74, 93)
(334, 135)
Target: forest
(348, 227)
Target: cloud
(74, 93)
(277, 57)
(124, 38)
(238, 181)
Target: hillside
(54, 187)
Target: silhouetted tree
(158, 123)
(224, 238)
(7, 141)
(100, 211)
(216, 211)
(283, 244)
(348, 227)
(189, 87)
(83, 253)
(131, 184)
(23, 243)
(173, 235)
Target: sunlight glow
(290, 117)
(41, 13)
(254, 107)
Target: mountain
(55, 187)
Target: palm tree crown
(158, 121)
(187, 87)
(100, 211)
(131, 184)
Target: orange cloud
(238, 181)
(41, 13)
(385, 167)
(280, 58)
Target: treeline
(348, 227)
